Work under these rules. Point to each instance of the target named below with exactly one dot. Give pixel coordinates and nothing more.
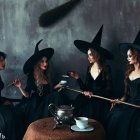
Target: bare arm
(18, 84)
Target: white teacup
(63, 82)
(82, 122)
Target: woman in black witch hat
(123, 122)
(98, 79)
(38, 89)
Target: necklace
(39, 88)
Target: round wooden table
(43, 130)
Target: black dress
(123, 122)
(36, 106)
(102, 86)
(9, 123)
(1, 87)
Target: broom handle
(104, 98)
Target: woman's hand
(88, 93)
(114, 102)
(8, 103)
(17, 83)
(58, 86)
(74, 74)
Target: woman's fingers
(58, 86)
(17, 83)
(113, 103)
(74, 74)
(88, 93)
(111, 106)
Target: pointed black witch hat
(124, 47)
(38, 54)
(95, 44)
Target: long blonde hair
(42, 77)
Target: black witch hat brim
(84, 46)
(124, 47)
(29, 64)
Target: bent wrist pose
(38, 90)
(18, 84)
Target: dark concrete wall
(20, 30)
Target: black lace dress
(102, 86)
(36, 107)
(9, 123)
(123, 122)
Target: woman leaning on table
(123, 122)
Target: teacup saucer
(76, 128)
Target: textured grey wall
(20, 30)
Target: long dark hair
(130, 67)
(98, 57)
(101, 61)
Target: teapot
(63, 113)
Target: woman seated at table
(38, 91)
